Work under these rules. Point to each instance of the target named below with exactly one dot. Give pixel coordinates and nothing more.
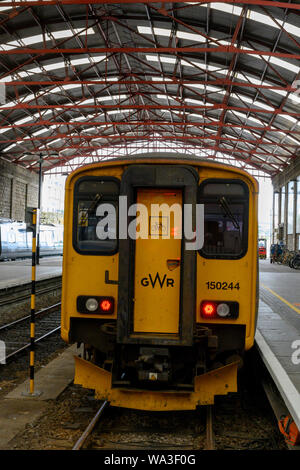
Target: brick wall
(18, 189)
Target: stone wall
(18, 190)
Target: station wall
(286, 206)
(18, 190)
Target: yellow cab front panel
(163, 327)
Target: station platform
(15, 273)
(278, 330)
(18, 409)
(277, 340)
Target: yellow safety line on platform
(282, 299)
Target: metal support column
(39, 208)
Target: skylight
(172, 60)
(26, 119)
(280, 63)
(9, 148)
(39, 38)
(253, 104)
(40, 131)
(31, 96)
(290, 118)
(179, 34)
(273, 60)
(56, 65)
(254, 16)
(244, 116)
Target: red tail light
(106, 305)
(208, 310)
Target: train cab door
(157, 262)
(157, 275)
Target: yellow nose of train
(159, 279)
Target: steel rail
(20, 320)
(37, 340)
(210, 442)
(87, 432)
(4, 302)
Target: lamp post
(39, 204)
(39, 208)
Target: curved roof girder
(219, 87)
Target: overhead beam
(125, 137)
(149, 106)
(270, 3)
(148, 50)
(196, 124)
(173, 81)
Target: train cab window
(226, 205)
(95, 215)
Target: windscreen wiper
(225, 206)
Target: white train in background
(16, 240)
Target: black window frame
(202, 199)
(107, 198)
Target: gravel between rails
(19, 309)
(242, 421)
(16, 336)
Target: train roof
(161, 158)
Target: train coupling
(153, 364)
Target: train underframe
(156, 376)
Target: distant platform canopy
(82, 82)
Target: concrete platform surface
(15, 273)
(17, 409)
(50, 380)
(280, 290)
(275, 338)
(14, 416)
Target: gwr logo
(146, 281)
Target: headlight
(91, 304)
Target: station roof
(87, 81)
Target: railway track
(17, 294)
(210, 442)
(89, 429)
(15, 335)
(91, 435)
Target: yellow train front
(164, 318)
